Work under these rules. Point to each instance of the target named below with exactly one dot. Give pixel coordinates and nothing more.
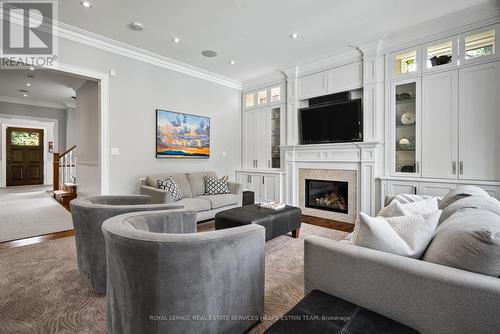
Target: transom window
(405, 62)
(25, 138)
(480, 44)
(269, 95)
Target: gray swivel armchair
(88, 215)
(163, 278)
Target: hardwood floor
(336, 225)
(333, 224)
(35, 240)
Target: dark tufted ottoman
(276, 222)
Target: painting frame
(171, 126)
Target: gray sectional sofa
(430, 297)
(192, 187)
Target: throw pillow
(394, 209)
(405, 235)
(461, 192)
(469, 240)
(214, 186)
(410, 198)
(477, 202)
(170, 186)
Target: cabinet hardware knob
(454, 167)
(461, 167)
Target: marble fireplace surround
(356, 158)
(349, 176)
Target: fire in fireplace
(327, 195)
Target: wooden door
(439, 125)
(479, 121)
(24, 156)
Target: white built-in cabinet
(262, 138)
(444, 116)
(263, 124)
(440, 125)
(455, 134)
(266, 185)
(479, 122)
(338, 79)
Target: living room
(334, 164)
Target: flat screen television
(332, 123)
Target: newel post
(56, 171)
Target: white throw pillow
(423, 207)
(405, 235)
(395, 209)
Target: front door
(24, 156)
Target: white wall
(83, 131)
(136, 92)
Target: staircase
(65, 188)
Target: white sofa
(192, 187)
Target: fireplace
(327, 195)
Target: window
(480, 44)
(275, 94)
(24, 138)
(262, 97)
(405, 62)
(249, 100)
(439, 54)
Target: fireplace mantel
(348, 156)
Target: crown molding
(472, 18)
(340, 57)
(454, 23)
(38, 103)
(81, 36)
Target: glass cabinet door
(405, 111)
(275, 137)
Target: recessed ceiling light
(32, 68)
(28, 84)
(294, 35)
(209, 53)
(86, 4)
(176, 40)
(137, 26)
(25, 95)
(232, 62)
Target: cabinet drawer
(401, 187)
(436, 189)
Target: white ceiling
(254, 33)
(47, 88)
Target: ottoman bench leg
(295, 233)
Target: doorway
(25, 164)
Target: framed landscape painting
(180, 135)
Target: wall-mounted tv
(331, 123)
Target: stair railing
(64, 168)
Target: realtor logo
(28, 33)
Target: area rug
(28, 211)
(41, 290)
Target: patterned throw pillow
(171, 186)
(214, 186)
